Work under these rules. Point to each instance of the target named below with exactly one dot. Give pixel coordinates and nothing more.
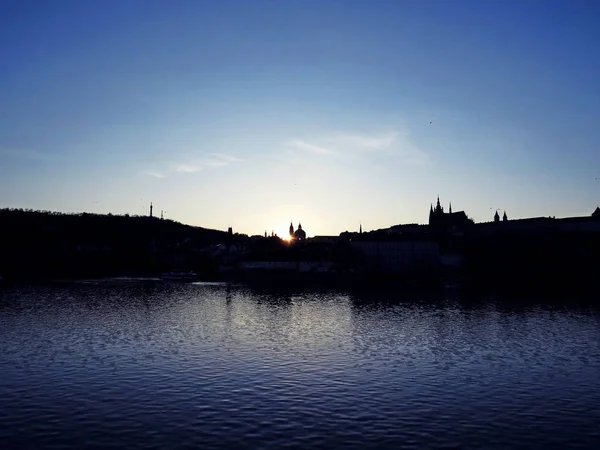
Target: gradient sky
(251, 113)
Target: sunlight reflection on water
(167, 365)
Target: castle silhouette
(441, 220)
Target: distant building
(410, 228)
(449, 221)
(390, 254)
(325, 239)
(299, 234)
(542, 224)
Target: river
(144, 364)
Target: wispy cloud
(410, 153)
(187, 168)
(308, 147)
(224, 157)
(155, 174)
(391, 143)
(219, 160)
(212, 160)
(370, 142)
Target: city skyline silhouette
(246, 115)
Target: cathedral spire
(450, 211)
(438, 207)
(360, 229)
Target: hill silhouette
(38, 244)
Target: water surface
(133, 364)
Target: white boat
(179, 276)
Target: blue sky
(253, 113)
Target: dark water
(212, 366)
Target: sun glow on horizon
(284, 234)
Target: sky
(252, 114)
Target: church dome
(300, 234)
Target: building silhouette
(442, 221)
(299, 234)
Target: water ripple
(145, 364)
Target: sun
(283, 234)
